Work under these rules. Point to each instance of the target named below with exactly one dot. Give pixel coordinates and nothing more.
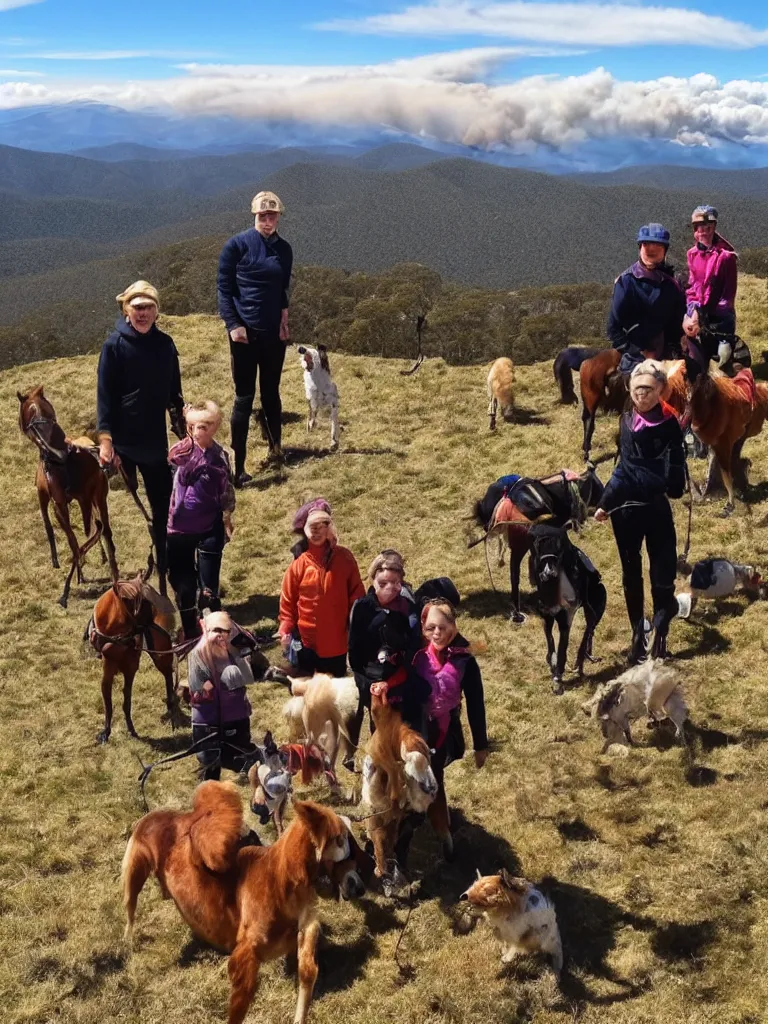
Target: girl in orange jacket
(319, 588)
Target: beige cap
(218, 620)
(266, 202)
(139, 293)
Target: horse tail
(564, 378)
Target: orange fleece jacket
(317, 598)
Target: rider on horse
(710, 319)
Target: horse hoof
(63, 601)
(557, 687)
(132, 732)
(727, 511)
(102, 737)
(517, 618)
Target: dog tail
(216, 825)
(347, 701)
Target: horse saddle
(532, 498)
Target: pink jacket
(712, 278)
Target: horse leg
(243, 968)
(108, 673)
(44, 498)
(129, 672)
(549, 624)
(308, 936)
(335, 425)
(563, 620)
(164, 665)
(588, 423)
(517, 550)
(62, 515)
(86, 511)
(739, 467)
(723, 453)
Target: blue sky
(237, 58)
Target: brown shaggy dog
(501, 384)
(256, 903)
(397, 778)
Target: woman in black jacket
(138, 381)
(650, 471)
(384, 635)
(254, 274)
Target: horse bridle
(32, 431)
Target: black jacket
(651, 464)
(647, 311)
(373, 629)
(252, 283)
(138, 380)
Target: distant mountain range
(83, 227)
(97, 130)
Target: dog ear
(510, 882)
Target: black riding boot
(638, 652)
(190, 622)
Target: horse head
(590, 487)
(37, 420)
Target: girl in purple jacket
(446, 662)
(200, 516)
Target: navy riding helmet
(653, 233)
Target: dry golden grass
(657, 863)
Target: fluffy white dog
(319, 388)
(650, 689)
(321, 715)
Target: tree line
(354, 312)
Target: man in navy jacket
(254, 274)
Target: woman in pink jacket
(711, 292)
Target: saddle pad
(507, 512)
(746, 384)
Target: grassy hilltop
(657, 863)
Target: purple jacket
(202, 488)
(228, 701)
(712, 278)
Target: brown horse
(127, 615)
(724, 413)
(66, 473)
(602, 387)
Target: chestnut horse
(508, 512)
(566, 362)
(602, 387)
(129, 614)
(725, 412)
(65, 473)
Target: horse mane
(385, 747)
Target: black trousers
(158, 483)
(262, 356)
(214, 755)
(653, 524)
(194, 567)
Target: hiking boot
(659, 649)
(242, 478)
(275, 458)
(638, 652)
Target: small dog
(649, 689)
(270, 784)
(718, 577)
(320, 390)
(519, 915)
(321, 714)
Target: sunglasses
(703, 224)
(219, 631)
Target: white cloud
(425, 97)
(11, 73)
(577, 24)
(108, 54)
(9, 5)
(455, 66)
